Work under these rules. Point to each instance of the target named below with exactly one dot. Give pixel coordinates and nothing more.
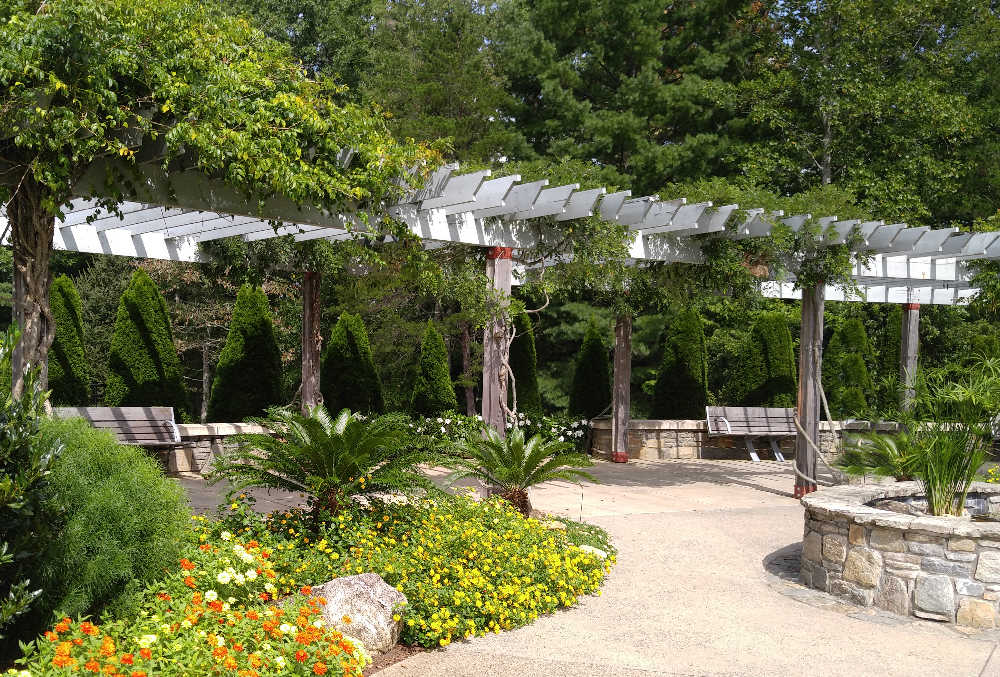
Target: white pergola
(167, 217)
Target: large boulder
(362, 607)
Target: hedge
(143, 367)
(681, 389)
(248, 376)
(69, 375)
(524, 364)
(846, 370)
(766, 377)
(348, 375)
(433, 393)
(590, 393)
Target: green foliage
(524, 363)
(349, 379)
(433, 393)
(682, 383)
(511, 465)
(101, 286)
(847, 365)
(332, 459)
(591, 391)
(558, 427)
(69, 379)
(766, 375)
(248, 376)
(118, 522)
(143, 367)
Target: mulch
(398, 653)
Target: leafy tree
(101, 286)
(248, 377)
(143, 367)
(94, 92)
(433, 393)
(349, 379)
(847, 370)
(69, 379)
(524, 364)
(682, 383)
(766, 376)
(591, 392)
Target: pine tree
(524, 364)
(143, 367)
(69, 376)
(682, 383)
(767, 376)
(889, 339)
(248, 376)
(433, 393)
(846, 377)
(348, 377)
(591, 391)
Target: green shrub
(143, 367)
(118, 521)
(846, 370)
(590, 394)
(348, 378)
(524, 364)
(433, 393)
(248, 377)
(69, 376)
(681, 389)
(766, 377)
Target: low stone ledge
(938, 568)
(200, 443)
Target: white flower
(147, 640)
(251, 574)
(226, 606)
(225, 535)
(224, 577)
(220, 640)
(443, 430)
(240, 579)
(270, 587)
(562, 439)
(318, 623)
(211, 596)
(286, 628)
(447, 421)
(231, 600)
(479, 417)
(440, 420)
(279, 661)
(510, 425)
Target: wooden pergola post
(621, 397)
(909, 349)
(312, 341)
(810, 379)
(495, 347)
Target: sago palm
(329, 458)
(510, 466)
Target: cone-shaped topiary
(432, 389)
(348, 376)
(69, 376)
(682, 383)
(143, 367)
(524, 364)
(248, 376)
(591, 391)
(846, 376)
(767, 374)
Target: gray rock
(935, 595)
(936, 565)
(896, 506)
(368, 603)
(889, 540)
(852, 593)
(925, 549)
(863, 566)
(834, 548)
(893, 596)
(988, 569)
(812, 547)
(594, 551)
(970, 588)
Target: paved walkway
(697, 592)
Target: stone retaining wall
(199, 443)
(941, 568)
(660, 439)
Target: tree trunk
(622, 394)
(206, 381)
(827, 162)
(519, 499)
(470, 393)
(810, 378)
(311, 342)
(31, 235)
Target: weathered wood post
(909, 349)
(311, 341)
(495, 347)
(810, 378)
(621, 398)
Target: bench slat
(146, 426)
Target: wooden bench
(751, 423)
(145, 426)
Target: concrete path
(695, 592)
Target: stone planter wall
(941, 568)
(199, 444)
(660, 439)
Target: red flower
(307, 590)
(145, 653)
(128, 659)
(301, 656)
(264, 596)
(215, 606)
(163, 596)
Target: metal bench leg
(751, 450)
(776, 448)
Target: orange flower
(255, 661)
(301, 656)
(110, 669)
(138, 673)
(196, 598)
(63, 649)
(60, 661)
(253, 615)
(204, 546)
(188, 581)
(163, 596)
(128, 659)
(264, 596)
(77, 641)
(92, 665)
(107, 646)
(237, 647)
(187, 564)
(346, 619)
(63, 625)
(307, 590)
(88, 628)
(321, 600)
(145, 653)
(215, 606)
(51, 636)
(219, 651)
(319, 668)
(230, 663)
(252, 544)
(265, 554)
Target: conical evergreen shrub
(143, 367)
(433, 393)
(767, 376)
(69, 375)
(348, 376)
(681, 389)
(524, 364)
(591, 390)
(846, 377)
(248, 376)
